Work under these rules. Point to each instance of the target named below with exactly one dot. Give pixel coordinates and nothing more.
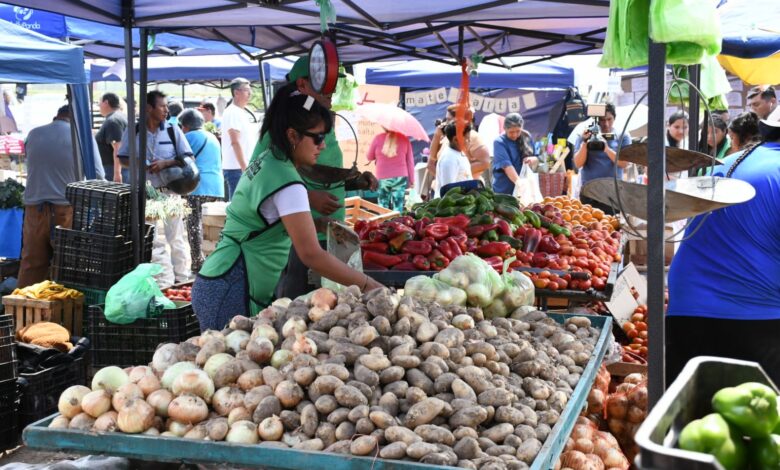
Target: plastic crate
(7, 348)
(94, 260)
(9, 406)
(9, 268)
(91, 296)
(688, 398)
(134, 344)
(65, 312)
(40, 391)
(101, 207)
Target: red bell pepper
(369, 266)
(382, 259)
(378, 235)
(397, 242)
(419, 226)
(502, 249)
(516, 264)
(438, 260)
(540, 260)
(454, 246)
(364, 230)
(421, 263)
(437, 231)
(531, 240)
(503, 227)
(461, 241)
(359, 226)
(405, 220)
(417, 247)
(457, 231)
(496, 262)
(520, 232)
(471, 245)
(461, 221)
(549, 245)
(397, 228)
(405, 266)
(450, 248)
(476, 231)
(379, 247)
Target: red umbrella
(393, 119)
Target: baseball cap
(300, 69)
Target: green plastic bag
(692, 21)
(346, 94)
(626, 43)
(136, 296)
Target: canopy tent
(195, 69)
(427, 74)
(28, 57)
(751, 40)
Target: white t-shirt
(238, 119)
(290, 200)
(452, 167)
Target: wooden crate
(68, 312)
(360, 209)
(212, 227)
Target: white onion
(107, 422)
(173, 371)
(82, 421)
(188, 409)
(264, 330)
(304, 345)
(69, 404)
(251, 379)
(271, 429)
(463, 322)
(139, 372)
(243, 432)
(260, 349)
(316, 313)
(195, 382)
(60, 422)
(178, 429)
(237, 340)
(135, 417)
(153, 431)
(96, 403)
(215, 362)
(210, 334)
(126, 392)
(110, 379)
(197, 433)
(281, 358)
(168, 434)
(293, 326)
(164, 357)
(284, 302)
(160, 399)
(148, 384)
(238, 414)
(226, 399)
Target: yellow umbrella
(753, 71)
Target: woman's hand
(532, 161)
(371, 284)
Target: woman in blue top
(208, 158)
(724, 282)
(510, 150)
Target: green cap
(300, 69)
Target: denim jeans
(109, 169)
(231, 178)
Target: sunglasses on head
(318, 138)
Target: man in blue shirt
(600, 163)
(510, 151)
(724, 282)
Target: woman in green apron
(269, 213)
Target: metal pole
(135, 223)
(694, 72)
(78, 168)
(182, 93)
(656, 201)
(265, 87)
(142, 56)
(460, 45)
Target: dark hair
(175, 108)
(610, 108)
(745, 126)
(450, 131)
(153, 96)
(676, 116)
(209, 106)
(112, 99)
(719, 123)
(237, 83)
(287, 111)
(64, 111)
(766, 92)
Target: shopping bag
(527, 187)
(626, 45)
(686, 21)
(136, 296)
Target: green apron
(265, 247)
(330, 156)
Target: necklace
(742, 158)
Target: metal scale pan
(677, 159)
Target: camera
(595, 143)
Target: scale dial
(323, 66)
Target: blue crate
(169, 449)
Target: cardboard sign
(623, 303)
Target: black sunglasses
(318, 138)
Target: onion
(158, 423)
(218, 428)
(135, 417)
(281, 358)
(69, 404)
(316, 313)
(463, 322)
(106, 422)
(60, 422)
(139, 372)
(96, 403)
(178, 429)
(168, 434)
(239, 414)
(240, 322)
(82, 421)
(172, 372)
(210, 334)
(289, 393)
(584, 445)
(271, 429)
(110, 379)
(293, 326)
(153, 431)
(164, 357)
(237, 340)
(198, 433)
(215, 362)
(615, 458)
(188, 351)
(196, 382)
(284, 302)
(159, 400)
(324, 298)
(266, 331)
(243, 432)
(251, 379)
(304, 345)
(267, 314)
(228, 373)
(260, 349)
(149, 384)
(188, 409)
(126, 392)
(226, 399)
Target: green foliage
(11, 194)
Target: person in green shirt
(270, 213)
(327, 202)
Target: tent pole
(182, 93)
(142, 56)
(460, 45)
(132, 141)
(694, 72)
(262, 81)
(74, 139)
(656, 201)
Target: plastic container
(9, 404)
(100, 207)
(92, 296)
(7, 348)
(41, 390)
(688, 398)
(134, 344)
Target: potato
(253, 397)
(434, 349)
(485, 443)
(467, 448)
(363, 445)
(289, 393)
(250, 379)
(382, 419)
(474, 376)
(363, 335)
(269, 406)
(528, 450)
(423, 412)
(402, 327)
(426, 332)
(375, 362)
(431, 369)
(438, 458)
(326, 432)
(309, 420)
(463, 431)
(507, 414)
(462, 390)
(326, 404)
(304, 376)
(324, 385)
(471, 417)
(338, 416)
(349, 396)
(418, 450)
(435, 434)
(415, 395)
(419, 379)
(290, 419)
(311, 444)
(364, 426)
(394, 451)
(272, 376)
(525, 432)
(365, 375)
(211, 347)
(450, 337)
(351, 352)
(498, 432)
(391, 374)
(495, 397)
(345, 430)
(406, 362)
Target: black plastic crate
(93, 260)
(9, 406)
(134, 344)
(7, 348)
(9, 268)
(40, 391)
(101, 207)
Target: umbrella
(393, 119)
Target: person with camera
(596, 153)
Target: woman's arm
(409, 162)
(433, 156)
(371, 154)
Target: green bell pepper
(751, 407)
(713, 435)
(490, 235)
(481, 219)
(765, 452)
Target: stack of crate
(9, 391)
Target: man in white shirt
(452, 166)
(237, 138)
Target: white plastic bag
(432, 290)
(527, 187)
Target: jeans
(231, 178)
(109, 169)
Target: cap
(300, 69)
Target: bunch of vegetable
(11, 194)
(744, 430)
(472, 203)
(591, 449)
(365, 375)
(636, 330)
(597, 397)
(626, 410)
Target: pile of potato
(380, 375)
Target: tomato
(643, 334)
(641, 326)
(637, 317)
(585, 285)
(580, 252)
(598, 283)
(574, 284)
(628, 326)
(643, 351)
(598, 272)
(632, 333)
(544, 274)
(541, 283)
(552, 285)
(562, 284)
